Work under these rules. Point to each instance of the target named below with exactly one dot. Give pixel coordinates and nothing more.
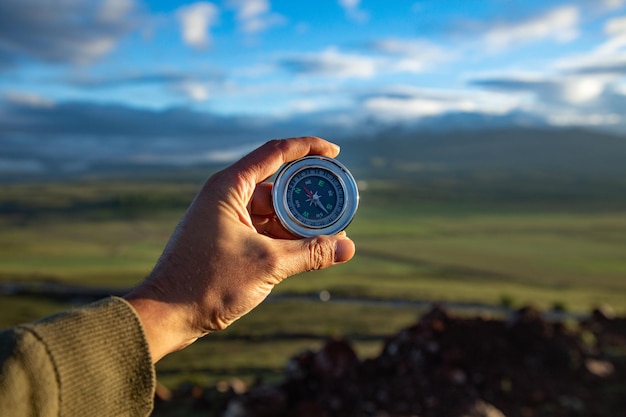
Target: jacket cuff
(101, 358)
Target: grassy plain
(410, 247)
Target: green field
(109, 234)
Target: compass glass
(315, 197)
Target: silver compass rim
(346, 180)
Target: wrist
(163, 324)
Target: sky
(85, 81)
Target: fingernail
(344, 250)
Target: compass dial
(315, 195)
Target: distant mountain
(514, 151)
(400, 154)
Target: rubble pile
(443, 366)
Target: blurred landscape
(481, 222)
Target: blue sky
(155, 78)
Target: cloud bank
(63, 31)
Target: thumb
(316, 253)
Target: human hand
(229, 251)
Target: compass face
(314, 196)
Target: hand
(229, 251)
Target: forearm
(69, 363)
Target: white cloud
(353, 10)
(400, 108)
(603, 65)
(332, 63)
(579, 90)
(559, 101)
(572, 89)
(194, 91)
(615, 29)
(388, 56)
(567, 99)
(560, 24)
(606, 60)
(315, 104)
(255, 16)
(616, 26)
(412, 55)
(196, 19)
(410, 103)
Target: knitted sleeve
(92, 361)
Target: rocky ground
(442, 366)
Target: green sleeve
(92, 361)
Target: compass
(315, 195)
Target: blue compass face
(315, 197)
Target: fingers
(315, 253)
(271, 227)
(261, 203)
(261, 163)
(262, 213)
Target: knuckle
(280, 145)
(276, 143)
(320, 253)
(218, 180)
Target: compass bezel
(281, 186)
